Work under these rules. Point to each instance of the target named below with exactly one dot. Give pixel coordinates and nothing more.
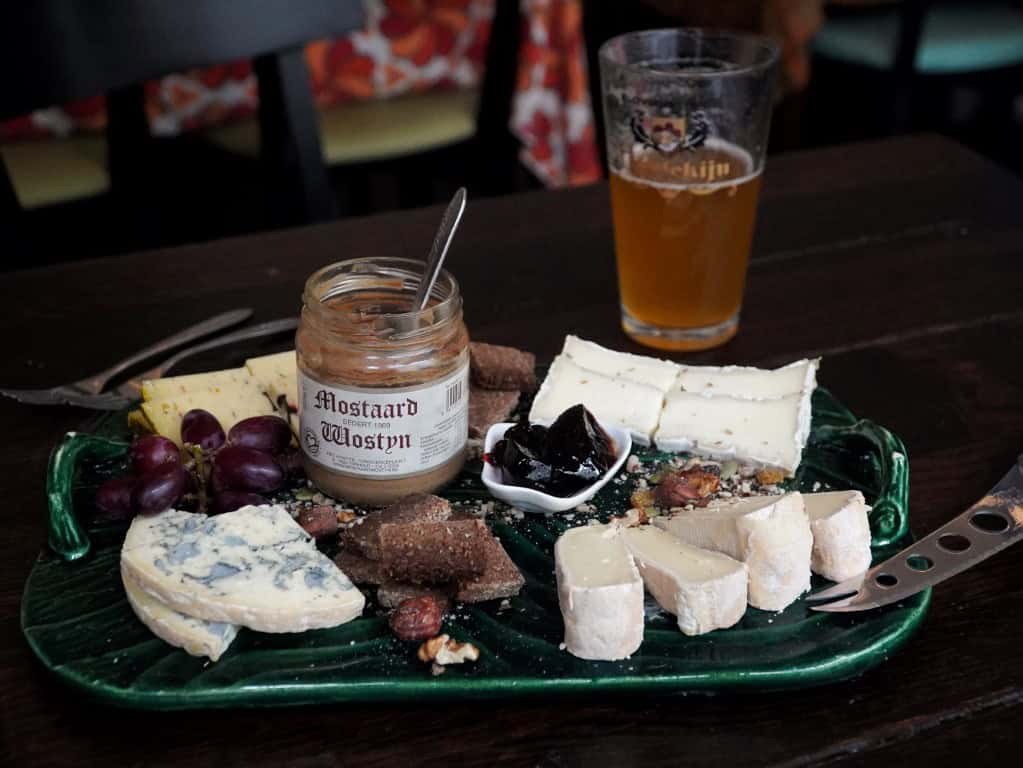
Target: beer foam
(725, 147)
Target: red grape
(229, 501)
(159, 489)
(113, 498)
(151, 451)
(291, 462)
(201, 428)
(238, 468)
(270, 434)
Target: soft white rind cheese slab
(771, 535)
(600, 592)
(770, 433)
(659, 374)
(705, 590)
(635, 407)
(254, 567)
(841, 533)
(195, 636)
(748, 383)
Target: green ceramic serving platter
(78, 623)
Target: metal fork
(88, 392)
(133, 387)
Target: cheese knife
(992, 524)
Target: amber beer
(683, 227)
(687, 114)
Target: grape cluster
(214, 472)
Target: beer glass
(686, 114)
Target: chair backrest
(52, 51)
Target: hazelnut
(417, 618)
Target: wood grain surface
(900, 262)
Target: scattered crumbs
(585, 508)
(570, 516)
(351, 642)
(561, 646)
(641, 483)
(437, 669)
(816, 486)
(633, 464)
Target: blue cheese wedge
(659, 374)
(771, 535)
(600, 592)
(254, 567)
(841, 533)
(705, 590)
(768, 433)
(624, 403)
(748, 383)
(195, 636)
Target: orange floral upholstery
(405, 46)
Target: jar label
(384, 432)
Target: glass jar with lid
(383, 387)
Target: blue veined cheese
(624, 403)
(254, 567)
(195, 636)
(748, 383)
(641, 369)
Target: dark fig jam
(561, 459)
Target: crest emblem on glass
(687, 114)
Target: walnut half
(443, 650)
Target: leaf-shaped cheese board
(78, 623)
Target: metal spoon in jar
(439, 249)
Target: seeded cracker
(497, 367)
(434, 552)
(364, 537)
(391, 593)
(360, 569)
(500, 577)
(487, 407)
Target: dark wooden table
(900, 262)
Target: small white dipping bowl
(531, 500)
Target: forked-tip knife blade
(992, 524)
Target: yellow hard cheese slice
(229, 406)
(277, 375)
(215, 382)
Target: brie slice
(659, 374)
(600, 592)
(841, 533)
(770, 534)
(769, 433)
(746, 382)
(621, 402)
(705, 590)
